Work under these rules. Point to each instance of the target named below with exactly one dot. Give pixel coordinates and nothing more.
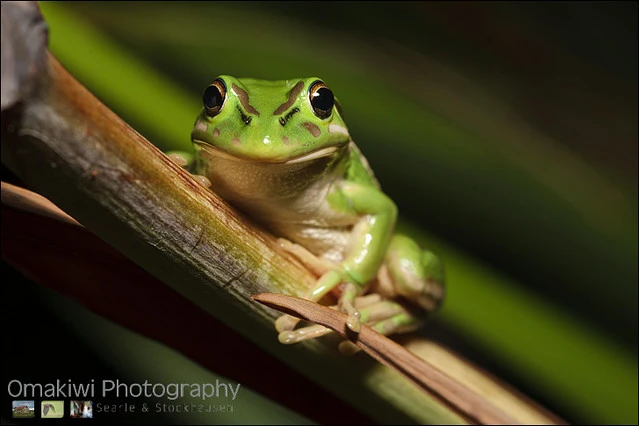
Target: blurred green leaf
(580, 368)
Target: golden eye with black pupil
(322, 99)
(214, 97)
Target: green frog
(280, 152)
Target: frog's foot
(324, 285)
(316, 264)
(289, 336)
(387, 317)
(286, 323)
(329, 278)
(371, 308)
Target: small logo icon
(22, 409)
(52, 409)
(81, 409)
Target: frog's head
(287, 121)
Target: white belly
(288, 199)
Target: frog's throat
(310, 156)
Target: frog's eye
(214, 97)
(322, 99)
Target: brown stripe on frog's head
(244, 100)
(292, 96)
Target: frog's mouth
(309, 156)
(314, 155)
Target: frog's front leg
(367, 249)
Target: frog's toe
(304, 333)
(178, 158)
(286, 323)
(202, 180)
(347, 305)
(354, 322)
(287, 337)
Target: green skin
(269, 153)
